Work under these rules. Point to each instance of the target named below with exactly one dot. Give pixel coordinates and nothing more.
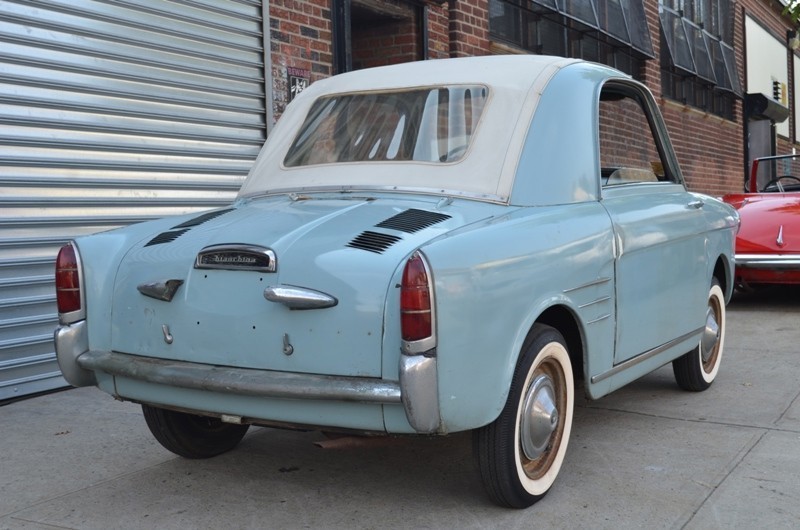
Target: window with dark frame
(629, 146)
(612, 32)
(359, 29)
(698, 65)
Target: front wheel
(192, 436)
(520, 454)
(697, 369)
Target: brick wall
(469, 27)
(625, 140)
(398, 41)
(651, 73)
(709, 148)
(391, 43)
(301, 38)
(438, 31)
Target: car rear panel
(344, 248)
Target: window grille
(697, 60)
(612, 32)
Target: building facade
(117, 111)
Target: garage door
(110, 114)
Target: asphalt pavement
(646, 456)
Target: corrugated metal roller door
(112, 113)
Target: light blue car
(425, 248)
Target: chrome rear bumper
(241, 381)
(416, 390)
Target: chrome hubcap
(539, 417)
(710, 336)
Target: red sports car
(768, 243)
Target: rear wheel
(520, 454)
(192, 436)
(697, 369)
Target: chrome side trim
(160, 290)
(786, 262)
(242, 381)
(598, 281)
(644, 356)
(598, 319)
(485, 197)
(299, 298)
(598, 301)
(420, 392)
(71, 342)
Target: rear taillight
(68, 284)
(416, 307)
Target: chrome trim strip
(160, 290)
(299, 298)
(598, 319)
(592, 283)
(644, 356)
(598, 301)
(766, 261)
(242, 381)
(498, 199)
(244, 258)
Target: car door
(659, 234)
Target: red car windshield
(775, 174)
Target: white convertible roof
(486, 171)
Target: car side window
(628, 151)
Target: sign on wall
(298, 80)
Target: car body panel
(516, 232)
(647, 279)
(549, 148)
(526, 245)
(310, 240)
(768, 242)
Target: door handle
(695, 204)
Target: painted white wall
(766, 62)
(794, 97)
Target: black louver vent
(200, 219)
(166, 237)
(413, 220)
(373, 241)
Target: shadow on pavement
(776, 296)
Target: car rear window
(424, 124)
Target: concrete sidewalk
(649, 455)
